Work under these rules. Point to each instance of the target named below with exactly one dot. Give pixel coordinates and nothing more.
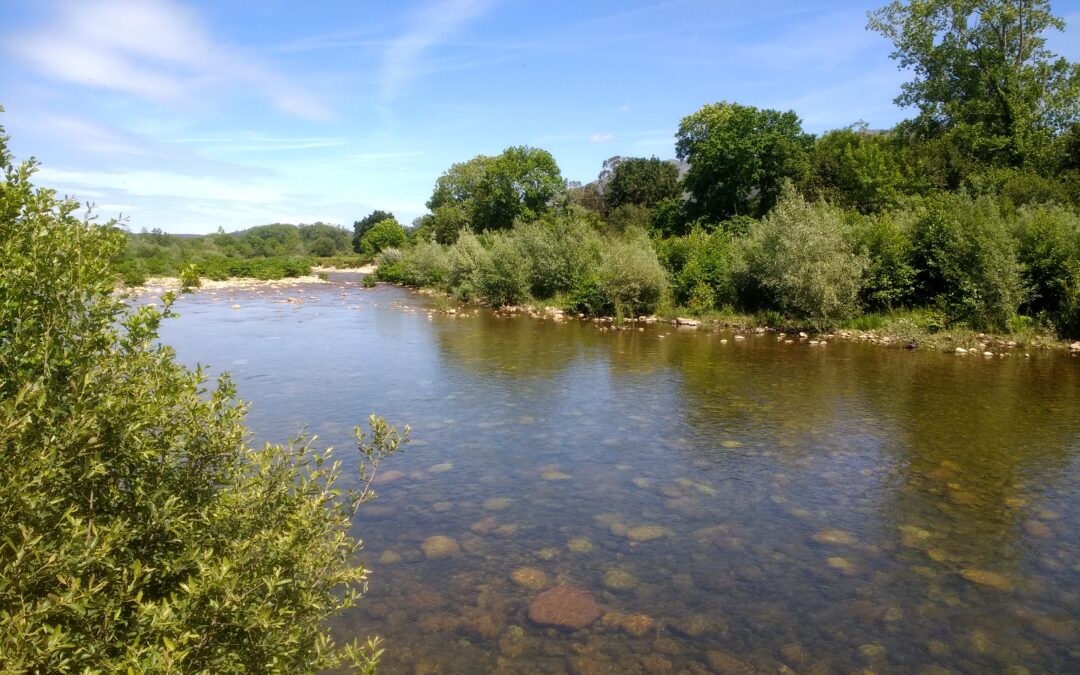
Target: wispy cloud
(434, 23)
(155, 50)
(255, 142)
(601, 138)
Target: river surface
(731, 506)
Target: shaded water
(739, 507)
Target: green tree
(383, 234)
(139, 531)
(521, 182)
(361, 227)
(857, 169)
(739, 157)
(642, 182)
(983, 76)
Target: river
(729, 505)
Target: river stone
(987, 578)
(620, 580)
(439, 546)
(1038, 529)
(484, 526)
(580, 545)
(530, 578)
(564, 607)
(497, 503)
(388, 477)
(555, 475)
(647, 532)
(441, 468)
(389, 558)
(723, 663)
(637, 625)
(834, 537)
(441, 507)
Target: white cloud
(601, 138)
(403, 59)
(155, 50)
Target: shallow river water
(739, 506)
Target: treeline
(966, 216)
(264, 252)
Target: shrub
(888, 281)
(966, 261)
(426, 264)
(631, 279)
(798, 258)
(502, 277)
(189, 278)
(383, 234)
(466, 257)
(558, 252)
(1049, 248)
(700, 267)
(140, 530)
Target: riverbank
(158, 285)
(898, 330)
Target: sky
(194, 115)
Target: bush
(966, 261)
(426, 264)
(631, 279)
(140, 530)
(383, 234)
(559, 253)
(466, 257)
(798, 260)
(700, 267)
(502, 277)
(1049, 249)
(189, 278)
(888, 281)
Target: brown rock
(1038, 529)
(987, 578)
(723, 663)
(564, 607)
(439, 546)
(529, 577)
(834, 537)
(388, 477)
(484, 526)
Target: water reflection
(730, 505)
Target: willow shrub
(631, 279)
(700, 265)
(139, 532)
(798, 260)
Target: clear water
(823, 509)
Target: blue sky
(193, 115)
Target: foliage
(857, 169)
(642, 182)
(383, 234)
(447, 222)
(966, 261)
(559, 251)
(502, 277)
(798, 258)
(219, 268)
(361, 227)
(631, 280)
(139, 532)
(627, 218)
(889, 278)
(494, 191)
(739, 157)
(700, 265)
(189, 278)
(426, 264)
(467, 256)
(983, 75)
(1049, 253)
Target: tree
(494, 191)
(739, 157)
(382, 235)
(642, 182)
(857, 169)
(139, 531)
(361, 227)
(983, 76)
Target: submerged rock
(497, 503)
(620, 580)
(441, 468)
(987, 578)
(555, 475)
(529, 577)
(723, 663)
(388, 477)
(647, 532)
(439, 546)
(637, 625)
(1038, 529)
(564, 607)
(834, 537)
(580, 545)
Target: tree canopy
(640, 181)
(521, 182)
(361, 226)
(739, 157)
(983, 76)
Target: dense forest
(965, 215)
